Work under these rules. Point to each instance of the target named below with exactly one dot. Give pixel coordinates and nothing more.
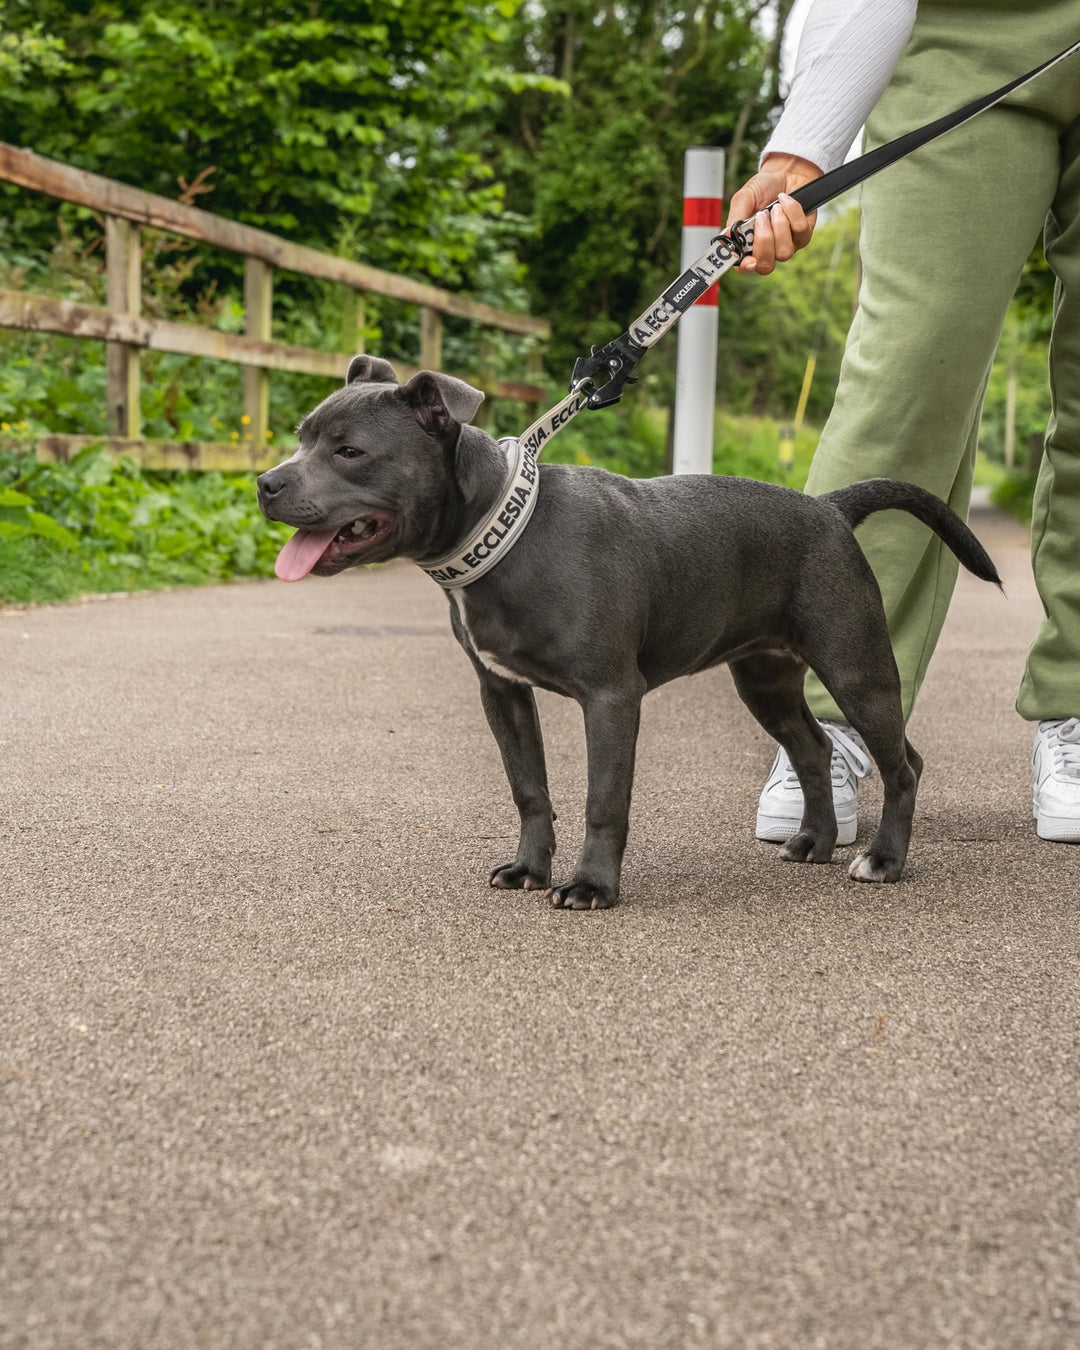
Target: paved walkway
(277, 1069)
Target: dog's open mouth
(328, 551)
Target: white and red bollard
(695, 379)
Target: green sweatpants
(944, 236)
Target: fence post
(123, 279)
(356, 319)
(430, 338)
(534, 373)
(258, 310)
(485, 373)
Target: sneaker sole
(779, 829)
(1056, 829)
(1059, 829)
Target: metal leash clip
(616, 360)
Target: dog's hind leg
(900, 766)
(612, 717)
(876, 716)
(511, 714)
(771, 686)
(867, 691)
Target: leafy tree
(310, 118)
(599, 172)
(1034, 299)
(27, 54)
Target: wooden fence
(120, 324)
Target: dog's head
(370, 471)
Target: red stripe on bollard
(707, 211)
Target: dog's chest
(487, 658)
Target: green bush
(1014, 495)
(100, 525)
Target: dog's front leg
(611, 728)
(511, 713)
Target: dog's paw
(806, 847)
(514, 876)
(872, 866)
(579, 894)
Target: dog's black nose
(270, 483)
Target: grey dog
(616, 586)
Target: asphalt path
(278, 1069)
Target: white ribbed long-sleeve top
(848, 50)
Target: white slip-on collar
(500, 529)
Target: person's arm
(847, 54)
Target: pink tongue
(301, 553)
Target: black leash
(614, 363)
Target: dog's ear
(439, 400)
(370, 370)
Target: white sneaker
(1055, 766)
(780, 806)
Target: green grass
(1015, 494)
(749, 447)
(1010, 492)
(635, 444)
(989, 473)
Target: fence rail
(121, 325)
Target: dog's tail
(860, 500)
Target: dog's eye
(350, 452)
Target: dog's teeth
(359, 526)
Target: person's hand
(781, 232)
